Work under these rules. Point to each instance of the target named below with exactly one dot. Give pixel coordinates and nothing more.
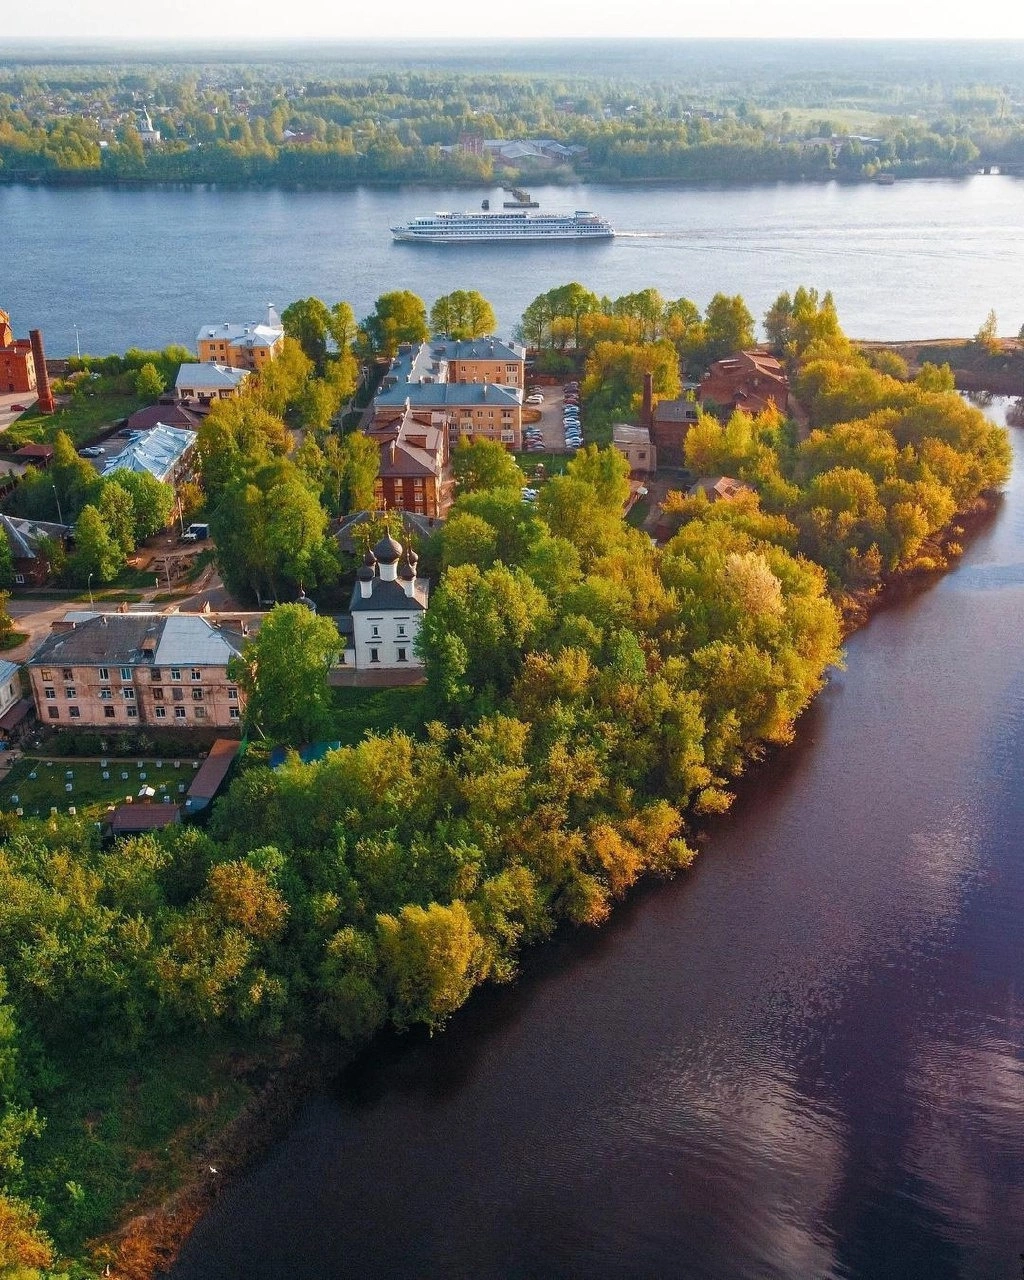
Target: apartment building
(122, 671)
(414, 473)
(242, 346)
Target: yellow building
(241, 346)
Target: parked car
(17, 408)
(536, 398)
(90, 451)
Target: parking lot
(552, 433)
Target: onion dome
(407, 573)
(365, 573)
(412, 557)
(369, 559)
(388, 550)
(305, 601)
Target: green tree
(118, 512)
(988, 335)
(283, 672)
(152, 501)
(432, 958)
(484, 464)
(96, 552)
(6, 561)
(149, 382)
(353, 464)
(397, 317)
(728, 327)
(341, 325)
(308, 321)
(464, 313)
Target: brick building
(122, 671)
(414, 473)
(17, 370)
(749, 380)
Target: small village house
(749, 380)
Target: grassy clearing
(362, 711)
(82, 418)
(13, 640)
(121, 1130)
(91, 793)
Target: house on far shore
(30, 541)
(749, 380)
(201, 384)
(242, 346)
(387, 608)
(634, 443)
(719, 488)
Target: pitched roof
(209, 377)
(167, 415)
(681, 410)
(24, 535)
(458, 394)
(211, 774)
(128, 818)
(8, 670)
(389, 596)
(241, 335)
(117, 639)
(158, 452)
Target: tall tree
(397, 317)
(283, 671)
(308, 321)
(464, 313)
(484, 464)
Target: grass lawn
(82, 418)
(13, 640)
(638, 513)
(121, 1128)
(362, 711)
(91, 792)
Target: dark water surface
(143, 268)
(805, 1058)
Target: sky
(304, 19)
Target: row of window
(128, 694)
(402, 655)
(110, 713)
(126, 673)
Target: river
(146, 267)
(805, 1058)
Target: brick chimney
(647, 407)
(43, 391)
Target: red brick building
(17, 371)
(749, 380)
(414, 472)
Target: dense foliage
(591, 695)
(678, 113)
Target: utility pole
(57, 496)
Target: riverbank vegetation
(589, 698)
(683, 113)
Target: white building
(204, 383)
(388, 604)
(10, 685)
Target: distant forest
(687, 111)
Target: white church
(388, 604)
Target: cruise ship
(507, 226)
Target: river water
(147, 267)
(805, 1058)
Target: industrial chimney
(647, 408)
(43, 391)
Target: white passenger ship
(509, 225)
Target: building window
(69, 692)
(132, 713)
(106, 693)
(104, 673)
(74, 713)
(178, 695)
(49, 693)
(376, 632)
(232, 694)
(401, 628)
(53, 712)
(175, 673)
(155, 675)
(197, 695)
(19, 579)
(196, 674)
(200, 713)
(179, 713)
(233, 712)
(160, 713)
(402, 655)
(67, 673)
(158, 695)
(375, 655)
(46, 674)
(108, 712)
(128, 695)
(126, 673)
